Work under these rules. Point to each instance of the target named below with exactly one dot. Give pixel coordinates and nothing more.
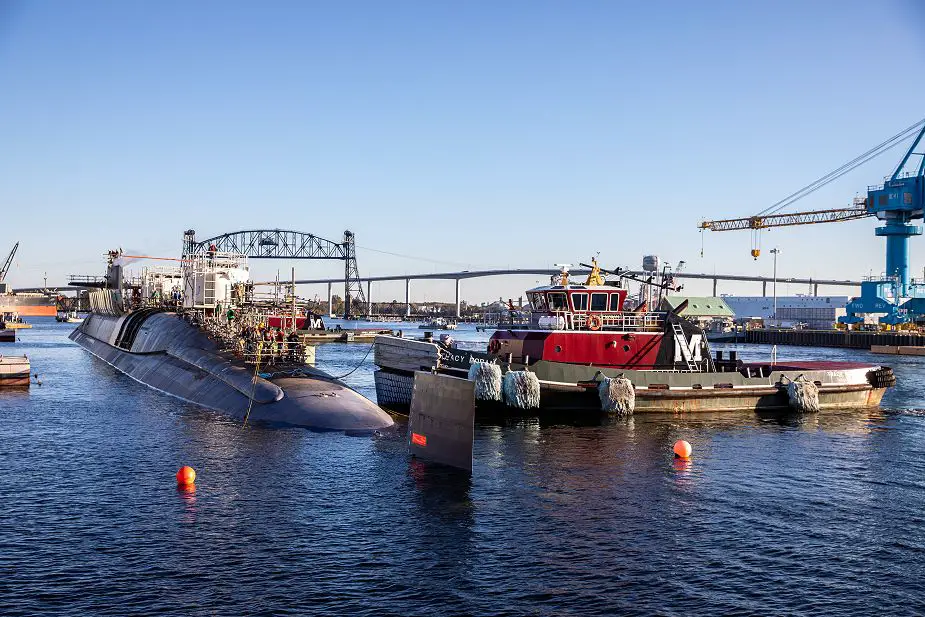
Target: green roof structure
(698, 306)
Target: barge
(14, 371)
(582, 340)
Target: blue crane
(897, 202)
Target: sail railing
(273, 353)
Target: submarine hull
(166, 353)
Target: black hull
(171, 356)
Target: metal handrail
(620, 321)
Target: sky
(450, 135)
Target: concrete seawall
(834, 338)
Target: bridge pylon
(353, 287)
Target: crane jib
(784, 220)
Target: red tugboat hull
(603, 349)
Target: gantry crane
(9, 262)
(896, 202)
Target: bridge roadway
(470, 274)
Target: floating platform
(898, 350)
(341, 336)
(7, 335)
(15, 325)
(14, 371)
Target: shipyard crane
(896, 202)
(8, 263)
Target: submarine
(199, 333)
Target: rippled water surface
(774, 515)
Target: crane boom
(9, 262)
(786, 220)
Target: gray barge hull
(572, 387)
(164, 352)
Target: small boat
(12, 321)
(14, 371)
(69, 317)
(438, 323)
(581, 345)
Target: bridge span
(471, 274)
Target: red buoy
(682, 449)
(186, 476)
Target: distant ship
(27, 304)
(22, 304)
(197, 333)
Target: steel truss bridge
(286, 244)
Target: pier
(834, 338)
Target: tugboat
(582, 345)
(199, 334)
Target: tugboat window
(580, 302)
(557, 301)
(538, 301)
(598, 302)
(614, 302)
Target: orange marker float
(682, 449)
(186, 476)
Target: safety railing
(270, 354)
(613, 321)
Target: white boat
(438, 323)
(69, 317)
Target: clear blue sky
(477, 133)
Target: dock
(14, 371)
(853, 339)
(341, 336)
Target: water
(774, 515)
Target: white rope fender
(803, 395)
(618, 396)
(521, 390)
(487, 378)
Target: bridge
(471, 274)
(285, 244)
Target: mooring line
(358, 365)
(254, 385)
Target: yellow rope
(254, 386)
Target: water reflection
(187, 494)
(572, 515)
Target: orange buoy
(682, 449)
(186, 476)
